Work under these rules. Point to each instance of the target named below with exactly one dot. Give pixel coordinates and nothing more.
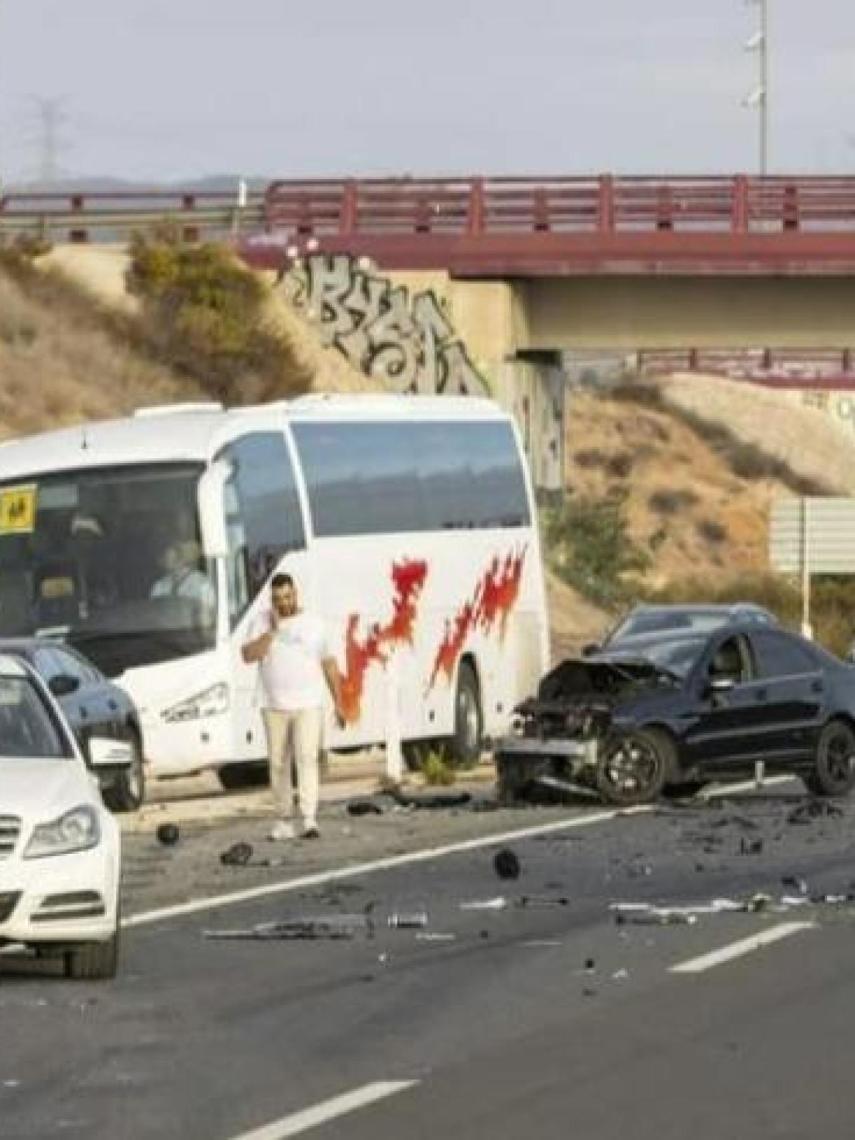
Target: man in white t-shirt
(296, 664)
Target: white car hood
(40, 790)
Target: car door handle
(816, 687)
(84, 711)
(111, 704)
(762, 694)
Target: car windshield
(27, 729)
(675, 655)
(109, 559)
(643, 623)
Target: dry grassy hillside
(684, 504)
(61, 363)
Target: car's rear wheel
(252, 774)
(834, 764)
(127, 791)
(93, 960)
(633, 768)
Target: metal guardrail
(105, 216)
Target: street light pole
(763, 108)
(759, 97)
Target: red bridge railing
(607, 204)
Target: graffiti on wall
(384, 331)
(840, 406)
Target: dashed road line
(299, 1122)
(738, 949)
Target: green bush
(589, 546)
(436, 769)
(204, 315)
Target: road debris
(434, 801)
(412, 920)
(506, 864)
(168, 834)
(498, 903)
(542, 901)
(435, 936)
(238, 855)
(304, 927)
(364, 807)
(814, 809)
(750, 846)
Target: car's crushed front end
(581, 720)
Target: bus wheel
(464, 747)
(250, 774)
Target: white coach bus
(407, 523)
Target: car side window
(72, 666)
(731, 661)
(779, 655)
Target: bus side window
(263, 517)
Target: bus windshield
(109, 559)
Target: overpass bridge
(619, 263)
(457, 284)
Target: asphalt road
(542, 1018)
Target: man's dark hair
(279, 580)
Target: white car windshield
(27, 727)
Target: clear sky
(172, 89)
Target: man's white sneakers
(282, 829)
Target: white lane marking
(327, 1110)
(321, 878)
(737, 949)
(355, 869)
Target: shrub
(588, 545)
(620, 465)
(711, 531)
(204, 316)
(591, 457)
(666, 501)
(436, 769)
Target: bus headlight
(77, 830)
(208, 703)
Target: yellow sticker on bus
(18, 509)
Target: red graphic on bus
(494, 597)
(408, 579)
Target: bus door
(265, 533)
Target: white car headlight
(75, 830)
(208, 703)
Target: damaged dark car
(679, 709)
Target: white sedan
(60, 849)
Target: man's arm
(257, 647)
(333, 678)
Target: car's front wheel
(834, 765)
(127, 791)
(93, 960)
(632, 768)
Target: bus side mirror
(212, 515)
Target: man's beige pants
(294, 738)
